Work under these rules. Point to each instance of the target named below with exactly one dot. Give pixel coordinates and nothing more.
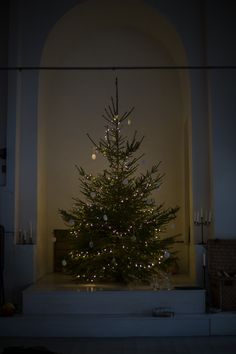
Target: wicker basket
(222, 273)
(223, 293)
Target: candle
(24, 236)
(204, 259)
(20, 240)
(30, 229)
(30, 232)
(198, 216)
(209, 217)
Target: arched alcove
(71, 104)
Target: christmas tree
(117, 226)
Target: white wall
(31, 22)
(221, 30)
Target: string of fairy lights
(118, 228)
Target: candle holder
(24, 237)
(202, 220)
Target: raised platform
(113, 302)
(57, 307)
(57, 294)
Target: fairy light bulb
(129, 121)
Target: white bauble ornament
(93, 194)
(94, 156)
(64, 263)
(166, 254)
(105, 218)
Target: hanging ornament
(105, 218)
(64, 263)
(91, 244)
(166, 254)
(71, 222)
(94, 156)
(133, 238)
(129, 121)
(125, 182)
(93, 194)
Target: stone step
(119, 302)
(103, 326)
(117, 325)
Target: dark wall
(4, 31)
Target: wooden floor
(170, 345)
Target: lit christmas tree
(117, 227)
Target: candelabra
(25, 236)
(202, 219)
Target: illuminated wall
(49, 113)
(71, 103)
